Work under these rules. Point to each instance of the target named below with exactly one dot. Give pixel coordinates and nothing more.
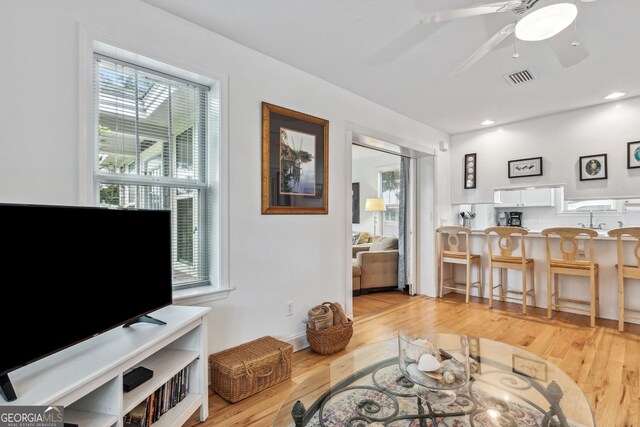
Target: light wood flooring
(604, 362)
(364, 305)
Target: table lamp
(375, 205)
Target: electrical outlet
(289, 308)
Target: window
(152, 153)
(591, 205)
(612, 206)
(389, 190)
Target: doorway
(382, 213)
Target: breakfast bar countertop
(602, 235)
(572, 287)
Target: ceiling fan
(534, 22)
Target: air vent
(519, 77)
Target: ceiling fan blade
(448, 15)
(407, 41)
(568, 47)
(487, 47)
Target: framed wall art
(295, 162)
(593, 167)
(633, 155)
(522, 168)
(470, 171)
(355, 203)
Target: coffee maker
(514, 219)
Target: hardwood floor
(376, 302)
(604, 362)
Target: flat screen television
(117, 262)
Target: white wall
(273, 258)
(560, 139)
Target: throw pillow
(364, 238)
(354, 238)
(386, 244)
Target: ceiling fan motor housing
(524, 6)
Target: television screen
(73, 272)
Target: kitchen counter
(602, 235)
(570, 286)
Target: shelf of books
(169, 404)
(164, 364)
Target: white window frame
(91, 42)
(379, 171)
(612, 206)
(581, 206)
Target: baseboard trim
(298, 341)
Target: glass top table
(508, 387)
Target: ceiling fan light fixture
(546, 22)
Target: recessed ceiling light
(614, 95)
(488, 122)
(544, 23)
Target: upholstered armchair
(378, 265)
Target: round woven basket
(330, 340)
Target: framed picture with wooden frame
(295, 162)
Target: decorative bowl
(435, 361)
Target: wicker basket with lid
(242, 371)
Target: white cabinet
(509, 198)
(87, 377)
(537, 197)
(524, 198)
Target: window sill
(200, 295)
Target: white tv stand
(87, 378)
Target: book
(163, 399)
(136, 417)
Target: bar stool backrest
(568, 242)
(450, 241)
(619, 233)
(506, 242)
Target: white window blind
(152, 154)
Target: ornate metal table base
(379, 395)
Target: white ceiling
(379, 49)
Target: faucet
(592, 226)
(620, 224)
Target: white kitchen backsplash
(537, 218)
(485, 215)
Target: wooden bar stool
(570, 266)
(507, 261)
(627, 271)
(452, 254)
